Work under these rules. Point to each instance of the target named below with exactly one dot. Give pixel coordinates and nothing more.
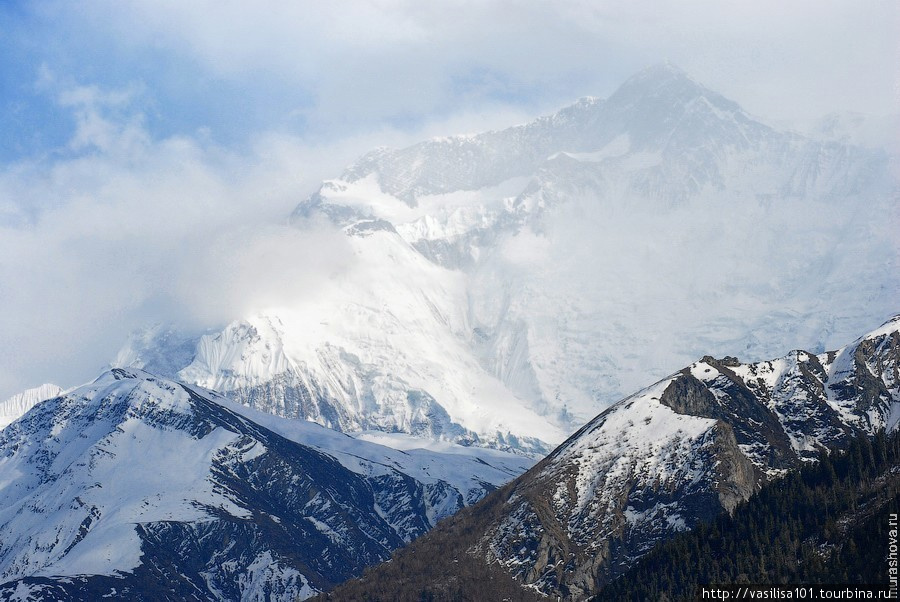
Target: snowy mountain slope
(507, 286)
(18, 404)
(681, 450)
(139, 487)
(663, 213)
(676, 453)
(359, 367)
(659, 123)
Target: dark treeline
(827, 523)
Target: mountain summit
(506, 286)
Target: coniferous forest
(827, 523)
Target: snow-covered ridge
(664, 213)
(391, 359)
(466, 469)
(96, 482)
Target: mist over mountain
(506, 286)
(463, 301)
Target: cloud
(366, 62)
(94, 130)
(117, 229)
(122, 230)
(346, 68)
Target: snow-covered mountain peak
(889, 328)
(384, 347)
(683, 139)
(681, 451)
(252, 349)
(666, 82)
(543, 271)
(122, 394)
(701, 394)
(670, 457)
(649, 107)
(135, 485)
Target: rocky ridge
(663, 460)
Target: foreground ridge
(659, 462)
(139, 487)
(816, 525)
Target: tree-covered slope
(825, 524)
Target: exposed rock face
(737, 477)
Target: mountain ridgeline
(665, 460)
(494, 291)
(141, 488)
(505, 287)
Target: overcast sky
(150, 151)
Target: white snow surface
(528, 278)
(266, 574)
(373, 454)
(377, 332)
(641, 470)
(117, 473)
(638, 437)
(79, 472)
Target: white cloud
(121, 230)
(367, 61)
(126, 231)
